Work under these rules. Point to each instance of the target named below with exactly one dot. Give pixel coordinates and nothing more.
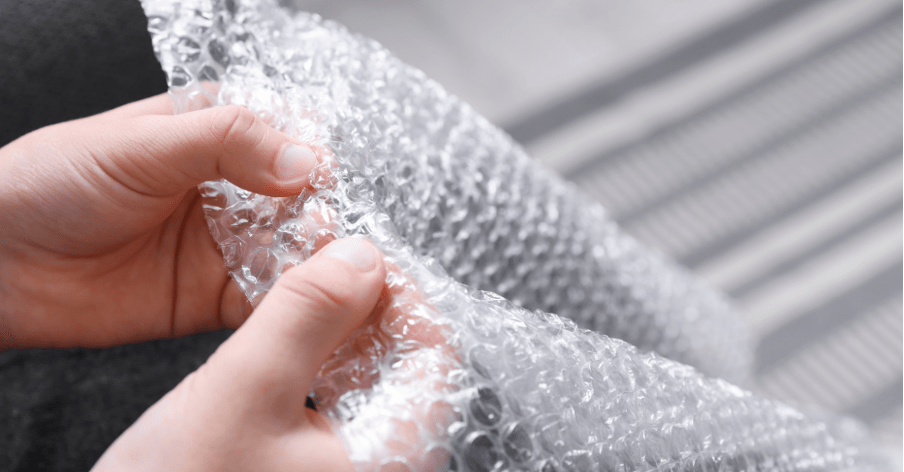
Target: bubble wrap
(448, 376)
(456, 188)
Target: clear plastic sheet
(449, 376)
(456, 188)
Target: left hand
(103, 240)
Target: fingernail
(355, 251)
(295, 163)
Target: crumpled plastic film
(449, 377)
(456, 188)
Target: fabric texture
(64, 60)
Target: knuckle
(233, 123)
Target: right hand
(244, 409)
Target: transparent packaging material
(451, 377)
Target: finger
(166, 155)
(414, 414)
(234, 306)
(157, 105)
(269, 363)
(162, 104)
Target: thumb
(244, 408)
(163, 155)
(269, 363)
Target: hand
(244, 408)
(102, 236)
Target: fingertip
(313, 307)
(348, 272)
(293, 167)
(309, 312)
(257, 157)
(359, 251)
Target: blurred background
(756, 142)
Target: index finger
(156, 105)
(203, 97)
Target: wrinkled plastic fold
(449, 376)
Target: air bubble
(218, 52)
(178, 77)
(188, 50)
(486, 407)
(263, 266)
(517, 444)
(208, 73)
(480, 453)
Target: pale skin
(103, 242)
